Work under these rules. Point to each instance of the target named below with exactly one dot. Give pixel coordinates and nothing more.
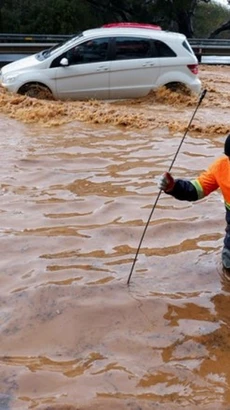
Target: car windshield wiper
(46, 53)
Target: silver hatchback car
(111, 62)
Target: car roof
(133, 31)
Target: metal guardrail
(208, 47)
(55, 38)
(209, 42)
(203, 46)
(22, 38)
(33, 38)
(23, 48)
(27, 44)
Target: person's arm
(179, 188)
(186, 190)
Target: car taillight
(193, 68)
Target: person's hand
(166, 182)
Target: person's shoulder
(220, 162)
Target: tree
(209, 17)
(45, 16)
(171, 14)
(72, 16)
(223, 27)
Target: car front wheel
(36, 90)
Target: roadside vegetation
(194, 18)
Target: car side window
(132, 48)
(90, 51)
(163, 49)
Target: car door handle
(102, 68)
(148, 64)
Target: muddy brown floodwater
(78, 181)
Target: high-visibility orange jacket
(216, 176)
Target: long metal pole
(159, 193)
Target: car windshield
(57, 47)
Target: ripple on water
(78, 182)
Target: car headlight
(9, 78)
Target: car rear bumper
(195, 87)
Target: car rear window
(187, 46)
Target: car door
(135, 67)
(86, 74)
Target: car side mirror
(64, 62)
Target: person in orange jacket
(216, 176)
